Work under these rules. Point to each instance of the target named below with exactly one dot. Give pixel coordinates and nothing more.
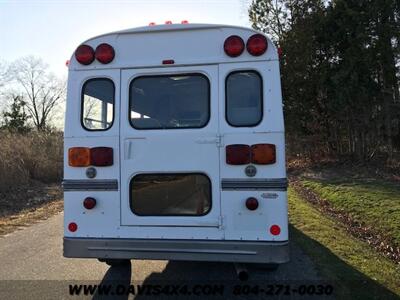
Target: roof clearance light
(257, 44)
(168, 22)
(84, 54)
(233, 46)
(104, 53)
(168, 62)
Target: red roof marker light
(233, 46)
(257, 44)
(104, 53)
(84, 54)
(168, 62)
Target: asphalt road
(32, 266)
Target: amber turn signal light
(79, 157)
(263, 154)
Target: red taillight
(263, 154)
(152, 24)
(84, 157)
(237, 154)
(168, 22)
(233, 46)
(72, 227)
(101, 156)
(185, 22)
(104, 53)
(275, 230)
(257, 44)
(84, 54)
(89, 203)
(260, 154)
(252, 203)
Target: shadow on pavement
(116, 276)
(219, 280)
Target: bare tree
(42, 90)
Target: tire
(115, 262)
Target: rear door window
(97, 104)
(170, 194)
(244, 103)
(169, 101)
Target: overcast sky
(53, 29)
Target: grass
(374, 203)
(32, 156)
(357, 271)
(28, 217)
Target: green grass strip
(374, 203)
(355, 269)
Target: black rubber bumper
(195, 250)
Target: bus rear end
(174, 147)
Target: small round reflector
(89, 203)
(84, 54)
(252, 203)
(104, 53)
(275, 230)
(233, 46)
(72, 227)
(257, 44)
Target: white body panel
(195, 49)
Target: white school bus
(174, 147)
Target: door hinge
(219, 140)
(221, 222)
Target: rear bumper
(200, 250)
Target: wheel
(115, 262)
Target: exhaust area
(241, 271)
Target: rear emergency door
(169, 147)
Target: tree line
(30, 95)
(340, 74)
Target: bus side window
(97, 104)
(244, 101)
